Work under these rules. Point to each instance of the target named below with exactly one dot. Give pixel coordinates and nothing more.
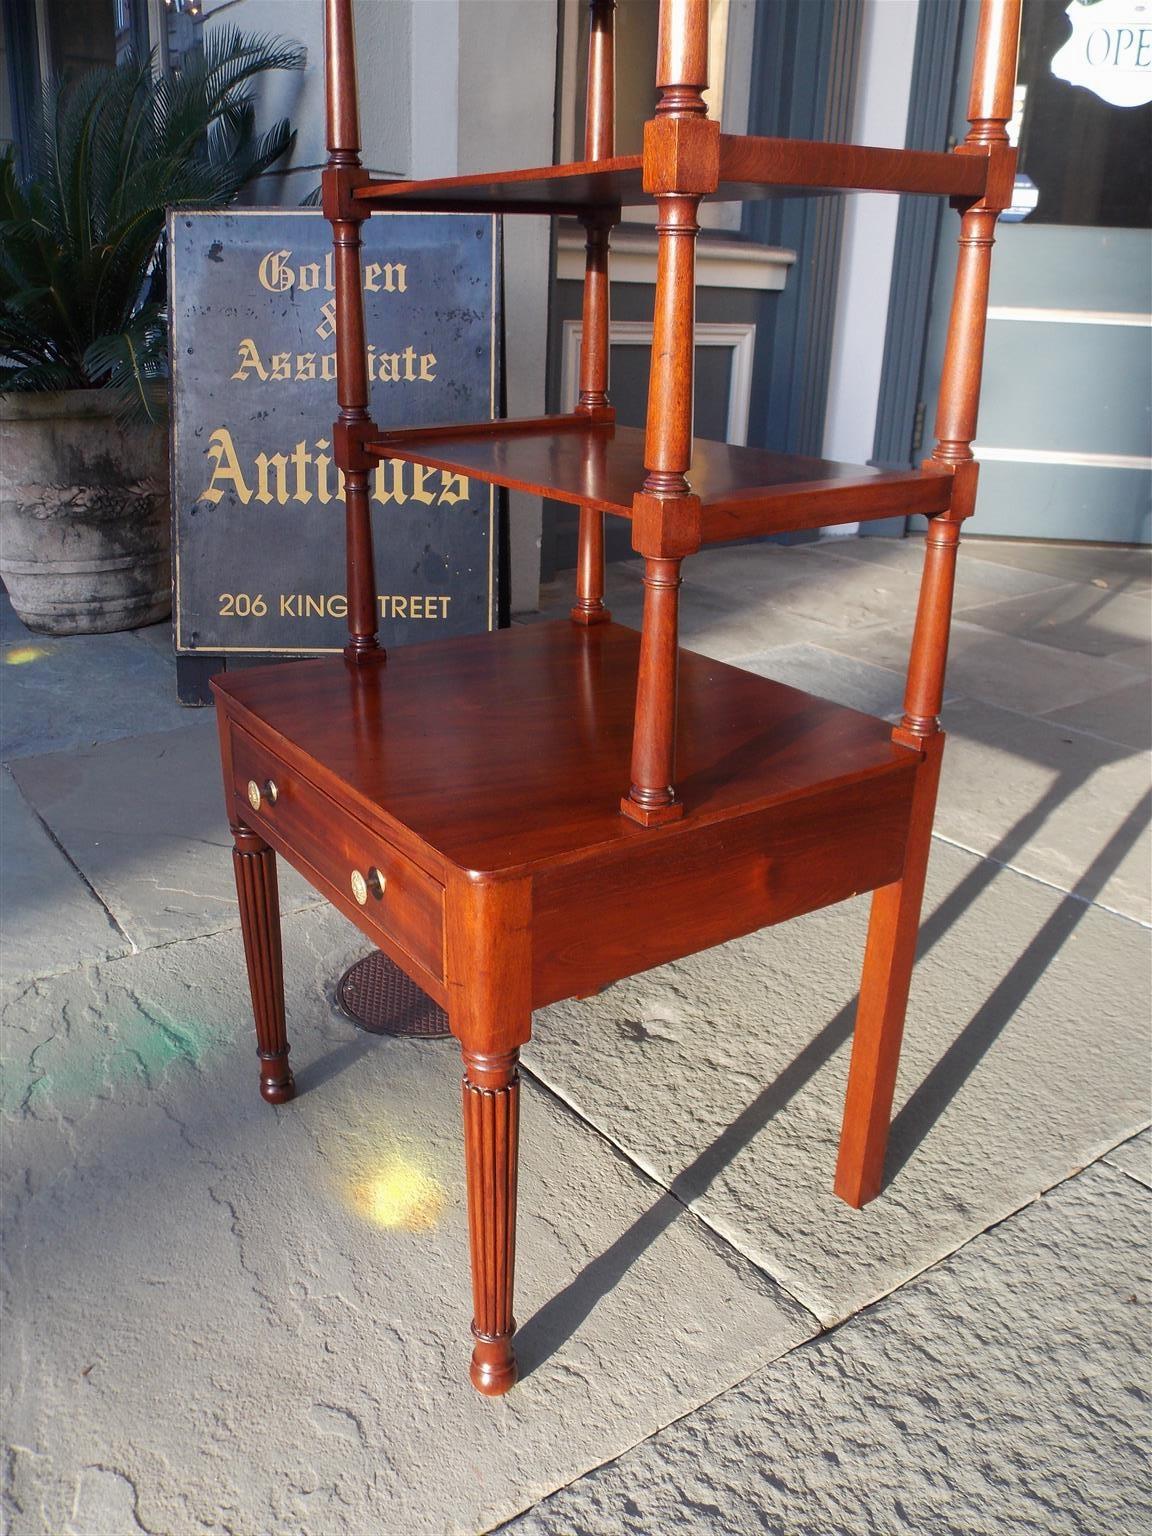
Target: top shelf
(750, 168)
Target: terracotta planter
(85, 532)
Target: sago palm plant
(82, 282)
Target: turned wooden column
(255, 866)
(599, 141)
(989, 109)
(681, 163)
(895, 917)
(342, 175)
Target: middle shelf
(743, 491)
(749, 167)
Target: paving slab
(1087, 620)
(1001, 1392)
(144, 820)
(723, 1075)
(69, 691)
(1122, 569)
(1003, 669)
(858, 591)
(1134, 1157)
(724, 627)
(977, 581)
(830, 675)
(49, 918)
(1064, 806)
(226, 1317)
(1124, 715)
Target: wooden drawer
(348, 858)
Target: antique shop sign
(257, 503)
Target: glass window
(1091, 161)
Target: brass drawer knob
(256, 794)
(373, 882)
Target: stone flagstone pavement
(221, 1317)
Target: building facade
(818, 322)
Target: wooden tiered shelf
(530, 816)
(750, 169)
(744, 491)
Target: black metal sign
(257, 503)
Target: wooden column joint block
(348, 439)
(338, 183)
(681, 156)
(666, 527)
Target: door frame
(900, 426)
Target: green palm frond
(134, 363)
(81, 236)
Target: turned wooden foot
(255, 866)
(491, 1139)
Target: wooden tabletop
(502, 751)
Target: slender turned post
(681, 163)
(891, 948)
(255, 867)
(599, 141)
(341, 176)
(989, 108)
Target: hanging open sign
(1110, 50)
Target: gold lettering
(394, 273)
(288, 608)
(265, 462)
(327, 327)
(309, 276)
(455, 489)
(420, 474)
(274, 272)
(338, 606)
(249, 355)
(301, 459)
(225, 467)
(282, 367)
(389, 469)
(305, 473)
(323, 465)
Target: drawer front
(357, 863)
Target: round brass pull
(373, 882)
(255, 794)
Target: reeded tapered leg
(255, 866)
(491, 1141)
(889, 956)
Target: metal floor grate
(378, 997)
